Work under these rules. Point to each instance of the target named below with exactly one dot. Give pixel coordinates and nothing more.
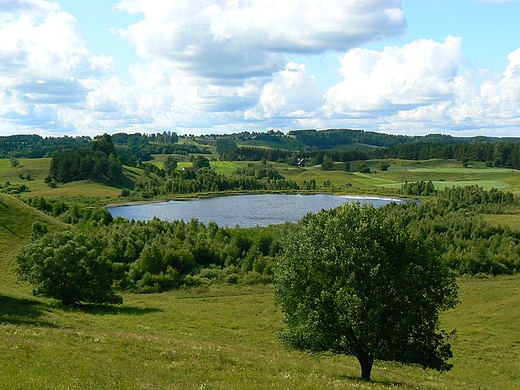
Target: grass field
(443, 173)
(226, 338)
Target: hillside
(16, 220)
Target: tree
(104, 144)
(201, 162)
(170, 165)
(15, 163)
(353, 281)
(327, 164)
(69, 267)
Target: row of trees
(254, 178)
(149, 256)
(502, 153)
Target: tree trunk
(366, 361)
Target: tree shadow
(110, 309)
(19, 311)
(385, 383)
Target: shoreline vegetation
(198, 308)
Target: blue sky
(216, 66)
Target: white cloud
(424, 87)
(396, 78)
(43, 63)
(244, 38)
(232, 65)
(292, 93)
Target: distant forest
(315, 146)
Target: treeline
(157, 255)
(502, 153)
(36, 146)
(136, 148)
(331, 139)
(467, 243)
(228, 150)
(189, 181)
(131, 147)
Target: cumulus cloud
(292, 93)
(232, 65)
(245, 38)
(395, 78)
(424, 87)
(43, 61)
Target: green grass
(16, 220)
(511, 220)
(226, 338)
(443, 173)
(283, 143)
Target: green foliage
(327, 163)
(69, 267)
(15, 163)
(201, 162)
(170, 165)
(467, 243)
(418, 188)
(156, 256)
(354, 281)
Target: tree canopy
(69, 267)
(353, 281)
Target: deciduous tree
(69, 267)
(352, 281)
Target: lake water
(242, 210)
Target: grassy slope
(227, 339)
(16, 219)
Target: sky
(412, 67)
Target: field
(226, 338)
(443, 173)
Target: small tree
(15, 163)
(352, 281)
(201, 162)
(68, 267)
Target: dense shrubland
(468, 244)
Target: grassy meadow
(226, 337)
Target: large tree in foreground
(352, 281)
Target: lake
(242, 210)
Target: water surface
(242, 210)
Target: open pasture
(226, 338)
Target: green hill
(16, 220)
